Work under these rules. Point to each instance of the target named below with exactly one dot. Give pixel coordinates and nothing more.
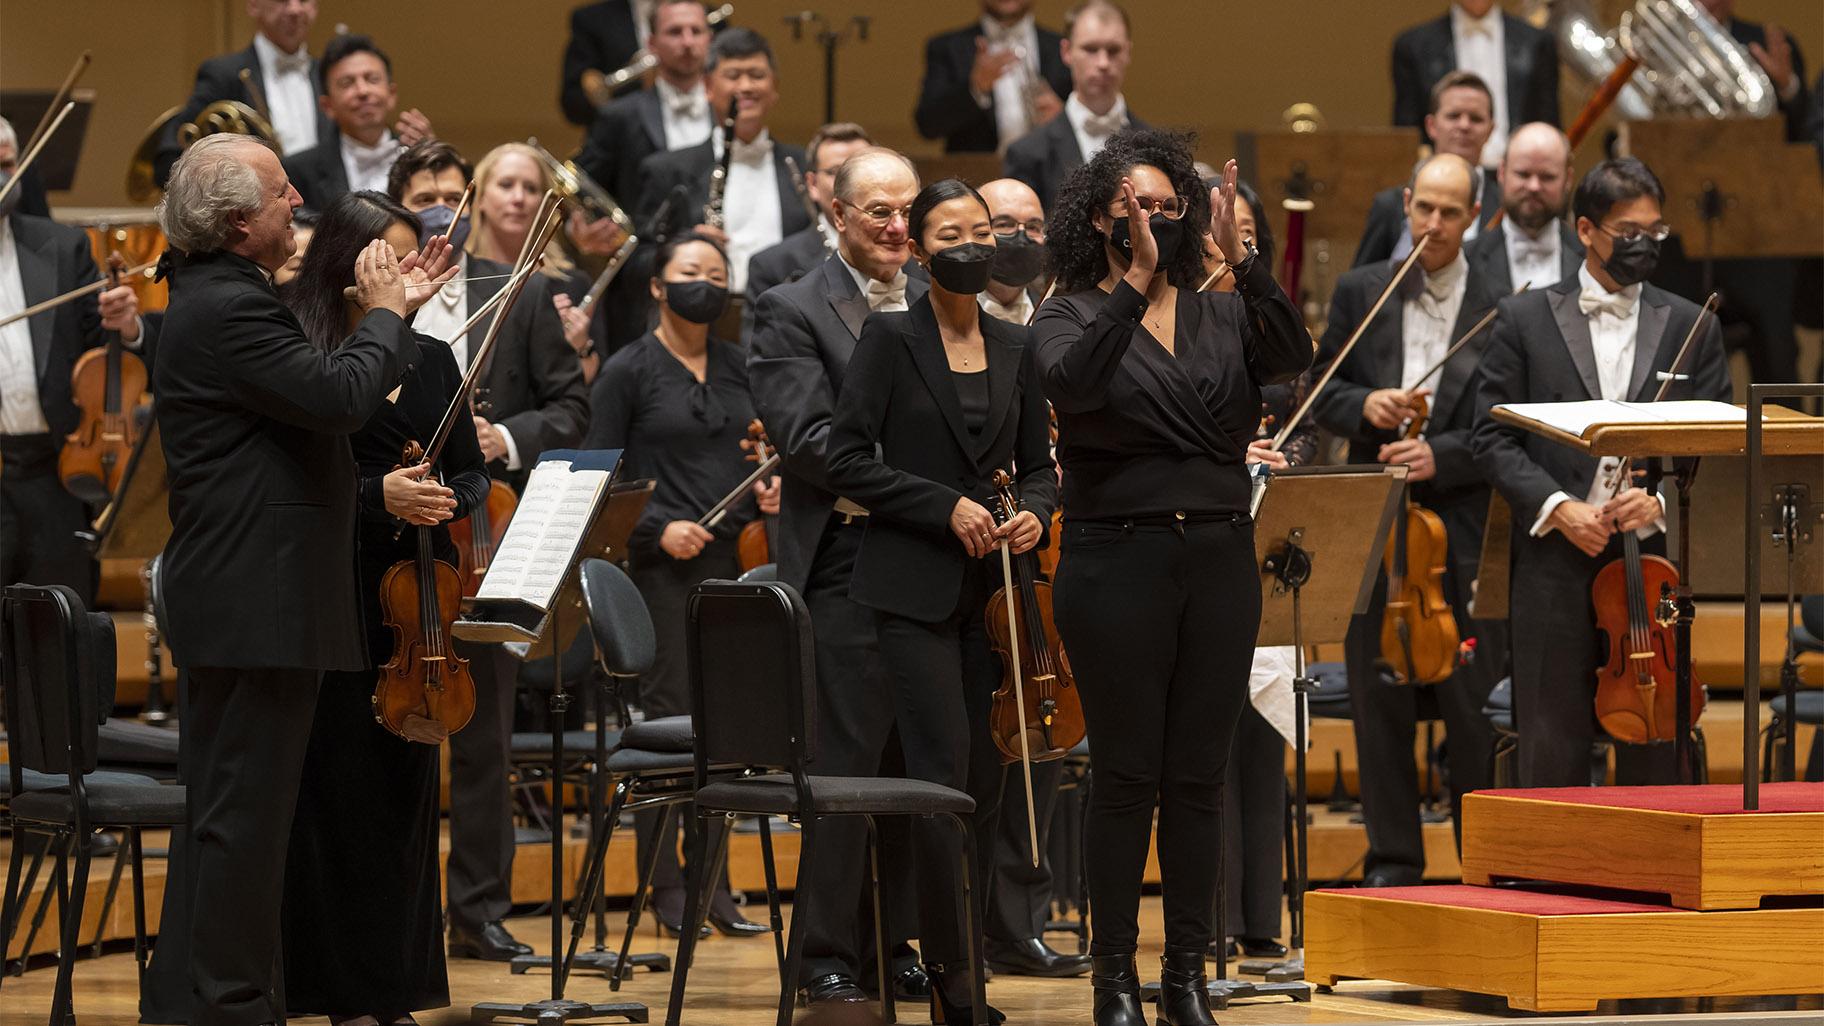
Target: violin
(424, 692)
(1419, 636)
(1032, 658)
(753, 546)
(108, 385)
(478, 534)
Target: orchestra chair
(1076, 779)
(57, 676)
(753, 686)
(529, 751)
(1807, 707)
(1499, 708)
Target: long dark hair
(343, 231)
(1071, 238)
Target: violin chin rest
(424, 731)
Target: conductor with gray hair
(259, 573)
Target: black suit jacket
(1487, 254)
(254, 420)
(623, 135)
(690, 168)
(219, 78)
(1042, 157)
(900, 447)
(1796, 111)
(946, 108)
(534, 382)
(317, 173)
(603, 37)
(1387, 219)
(1425, 53)
(804, 334)
(786, 261)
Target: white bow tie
(1477, 27)
(688, 105)
(1533, 249)
(286, 63)
(1105, 124)
(752, 153)
(884, 293)
(1598, 302)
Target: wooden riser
(1723, 861)
(1563, 963)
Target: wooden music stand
(1734, 188)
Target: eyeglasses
(1627, 233)
(881, 215)
(1007, 226)
(1172, 208)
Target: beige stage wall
(486, 70)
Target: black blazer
(662, 173)
(54, 259)
(1425, 53)
(254, 420)
(603, 37)
(899, 446)
(625, 133)
(946, 108)
(1042, 157)
(219, 78)
(1387, 219)
(804, 334)
(317, 173)
(1540, 351)
(533, 380)
(785, 261)
(1797, 111)
(1487, 254)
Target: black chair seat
(1810, 703)
(123, 804)
(36, 781)
(577, 743)
(124, 742)
(665, 734)
(1499, 706)
(1329, 700)
(774, 794)
(1080, 750)
(638, 761)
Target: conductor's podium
(1617, 892)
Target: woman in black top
(676, 400)
(363, 927)
(1157, 598)
(935, 400)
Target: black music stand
(135, 524)
(1318, 539)
(557, 526)
(56, 165)
(830, 35)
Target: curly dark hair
(1071, 239)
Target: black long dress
(363, 924)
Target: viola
(108, 385)
(424, 692)
(1047, 695)
(478, 534)
(753, 547)
(1419, 636)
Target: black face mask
(963, 269)
(1632, 261)
(699, 302)
(1167, 236)
(1017, 259)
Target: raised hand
(425, 270)
(1222, 217)
(1144, 261)
(989, 67)
(378, 283)
(413, 128)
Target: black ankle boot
(1184, 998)
(952, 996)
(1116, 985)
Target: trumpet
(574, 184)
(600, 86)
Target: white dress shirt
(1533, 260)
(367, 166)
(684, 114)
(888, 296)
(20, 412)
(1429, 318)
(1093, 129)
(290, 94)
(443, 316)
(1008, 97)
(1481, 45)
(1017, 312)
(750, 204)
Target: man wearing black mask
(1016, 284)
(1619, 335)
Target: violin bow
(32, 151)
(1624, 469)
(92, 287)
(1051, 287)
(720, 509)
(1005, 483)
(1476, 329)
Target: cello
(478, 534)
(108, 385)
(1419, 635)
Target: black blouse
(1142, 431)
(683, 433)
(972, 392)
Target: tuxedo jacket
(785, 261)
(1425, 53)
(900, 447)
(603, 37)
(947, 109)
(1387, 219)
(1798, 110)
(1044, 156)
(254, 419)
(534, 384)
(623, 135)
(317, 173)
(219, 78)
(1487, 254)
(688, 169)
(804, 334)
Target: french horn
(220, 116)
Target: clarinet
(718, 177)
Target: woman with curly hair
(1157, 388)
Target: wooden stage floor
(733, 985)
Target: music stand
(56, 164)
(558, 530)
(135, 524)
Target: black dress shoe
(1184, 995)
(1116, 986)
(1033, 957)
(1224, 948)
(953, 999)
(1391, 876)
(833, 988)
(911, 984)
(491, 943)
(727, 917)
(668, 911)
(1262, 947)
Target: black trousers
(39, 520)
(246, 732)
(1160, 625)
(479, 873)
(943, 677)
(1019, 893)
(1254, 820)
(1555, 657)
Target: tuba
(1690, 67)
(220, 116)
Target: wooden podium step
(1560, 952)
(1694, 844)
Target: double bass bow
(108, 385)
